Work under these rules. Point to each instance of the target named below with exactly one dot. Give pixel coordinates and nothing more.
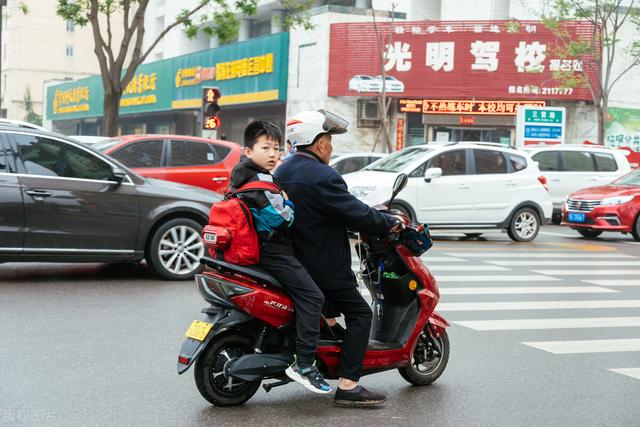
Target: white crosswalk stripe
(526, 290)
(534, 324)
(614, 282)
(564, 263)
(441, 278)
(630, 372)
(587, 346)
(590, 272)
(563, 255)
(536, 305)
(436, 268)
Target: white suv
(571, 167)
(467, 187)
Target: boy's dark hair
(259, 128)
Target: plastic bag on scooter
(417, 241)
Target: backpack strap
(257, 186)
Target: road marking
(587, 346)
(536, 255)
(441, 259)
(614, 282)
(584, 246)
(630, 372)
(595, 272)
(464, 267)
(536, 305)
(533, 324)
(526, 290)
(568, 263)
(548, 233)
(486, 278)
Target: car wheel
(636, 229)
(175, 249)
(524, 226)
(404, 210)
(589, 233)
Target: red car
(613, 207)
(191, 160)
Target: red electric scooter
(247, 334)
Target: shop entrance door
(471, 134)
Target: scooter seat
(247, 270)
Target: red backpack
(231, 229)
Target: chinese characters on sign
(139, 85)
(78, 96)
(443, 106)
(193, 76)
(253, 66)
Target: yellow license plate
(198, 330)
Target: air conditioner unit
(370, 110)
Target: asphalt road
(97, 345)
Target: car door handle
(463, 187)
(555, 180)
(511, 183)
(38, 194)
(219, 179)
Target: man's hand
(398, 224)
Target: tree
(609, 19)
(27, 104)
(119, 59)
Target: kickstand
(268, 387)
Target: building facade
(40, 47)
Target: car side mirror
(118, 175)
(432, 173)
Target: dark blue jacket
(324, 211)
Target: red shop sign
(400, 134)
(507, 60)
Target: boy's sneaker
(308, 376)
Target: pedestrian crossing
(537, 293)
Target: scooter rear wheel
(427, 363)
(211, 372)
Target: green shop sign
(246, 72)
(623, 128)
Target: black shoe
(310, 377)
(359, 396)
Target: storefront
(165, 96)
(458, 80)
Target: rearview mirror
(118, 175)
(432, 173)
(398, 186)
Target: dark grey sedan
(61, 201)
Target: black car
(61, 201)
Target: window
(489, 161)
(143, 154)
(191, 153)
(42, 156)
(70, 26)
(547, 161)
(605, 162)
(351, 164)
(632, 178)
(576, 161)
(518, 163)
(68, 51)
(399, 160)
(452, 162)
(4, 167)
(221, 151)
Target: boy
(273, 215)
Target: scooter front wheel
(211, 372)
(429, 359)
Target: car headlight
(362, 192)
(616, 200)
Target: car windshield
(105, 145)
(397, 161)
(632, 178)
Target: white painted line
(428, 258)
(536, 305)
(589, 272)
(486, 278)
(533, 324)
(614, 282)
(630, 372)
(548, 233)
(556, 255)
(526, 290)
(587, 346)
(464, 267)
(567, 263)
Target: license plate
(576, 217)
(198, 330)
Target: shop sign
(540, 125)
(461, 106)
(490, 59)
(140, 90)
(467, 120)
(74, 100)
(400, 134)
(622, 130)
